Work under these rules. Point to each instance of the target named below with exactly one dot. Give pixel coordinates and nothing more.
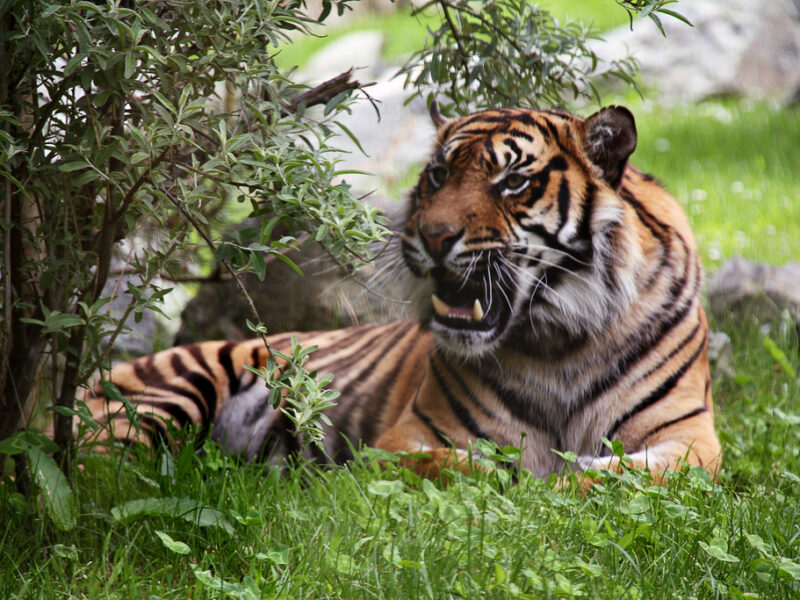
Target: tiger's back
(563, 308)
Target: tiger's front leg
(688, 441)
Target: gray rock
(743, 288)
(746, 47)
(720, 353)
(396, 139)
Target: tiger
(559, 311)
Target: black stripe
(558, 113)
(494, 116)
(154, 379)
(371, 411)
(196, 353)
(175, 411)
(455, 404)
(557, 163)
(224, 358)
(584, 226)
(514, 146)
(394, 332)
(255, 362)
(488, 146)
(686, 417)
(428, 422)
(371, 419)
(520, 406)
(683, 343)
(202, 383)
(472, 133)
(156, 430)
(529, 160)
(657, 394)
(455, 376)
(556, 135)
(518, 133)
(563, 202)
(660, 230)
(637, 347)
(551, 240)
(367, 369)
(528, 119)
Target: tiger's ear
(436, 116)
(609, 139)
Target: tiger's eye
(514, 182)
(437, 175)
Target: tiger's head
(517, 223)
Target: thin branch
(128, 197)
(325, 92)
(462, 51)
(215, 277)
(497, 30)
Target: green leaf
(352, 137)
(383, 487)
(259, 265)
(74, 165)
(54, 487)
(758, 543)
(278, 554)
(342, 563)
(779, 356)
(112, 392)
(187, 509)
(718, 548)
(130, 65)
(788, 569)
(173, 545)
(288, 261)
(55, 321)
(785, 418)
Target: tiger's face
(514, 220)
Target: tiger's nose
(439, 240)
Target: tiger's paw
(437, 463)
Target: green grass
(734, 167)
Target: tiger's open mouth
(468, 304)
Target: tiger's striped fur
(566, 308)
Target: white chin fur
(466, 343)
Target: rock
(720, 353)
(397, 139)
(746, 47)
(743, 288)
